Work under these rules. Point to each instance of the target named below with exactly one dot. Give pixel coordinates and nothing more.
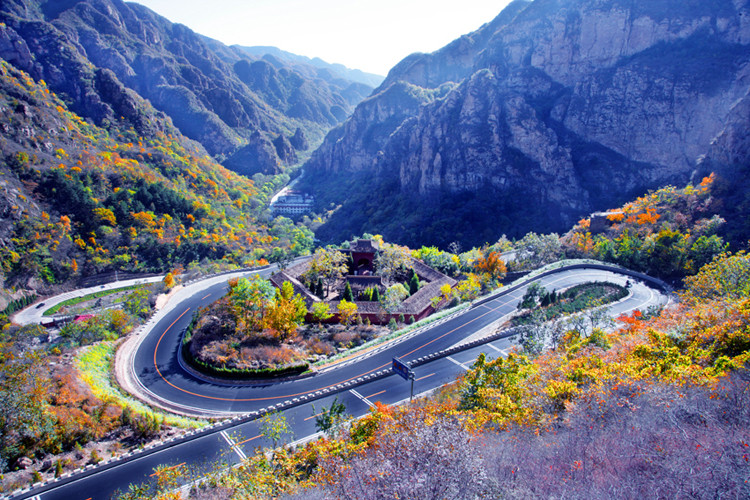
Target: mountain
(218, 95)
(338, 70)
(77, 200)
(554, 109)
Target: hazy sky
(372, 36)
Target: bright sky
(372, 36)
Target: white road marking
(457, 362)
(360, 396)
(501, 351)
(233, 445)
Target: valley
(217, 256)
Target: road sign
(402, 369)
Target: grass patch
(77, 300)
(95, 365)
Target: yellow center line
(420, 378)
(319, 414)
(206, 296)
(287, 396)
(376, 394)
(165, 470)
(248, 439)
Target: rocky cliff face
(103, 53)
(554, 109)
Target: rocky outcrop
(299, 140)
(258, 156)
(106, 55)
(551, 111)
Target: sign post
(403, 370)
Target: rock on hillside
(93, 50)
(554, 109)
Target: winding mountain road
(157, 370)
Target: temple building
(361, 276)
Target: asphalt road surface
(157, 366)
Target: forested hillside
(78, 200)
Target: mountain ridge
(567, 108)
(194, 79)
(356, 75)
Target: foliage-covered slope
(669, 232)
(78, 200)
(657, 408)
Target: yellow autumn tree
(347, 311)
(287, 312)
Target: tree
(413, 284)
(320, 311)
(492, 265)
(394, 296)
(418, 456)
(23, 399)
(727, 276)
(347, 312)
(328, 265)
(136, 302)
(250, 299)
(330, 420)
(390, 261)
(444, 262)
(348, 295)
(446, 291)
(281, 258)
(534, 292)
(169, 281)
(274, 426)
(704, 249)
(287, 312)
(536, 250)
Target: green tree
(321, 311)
(704, 249)
(331, 419)
(393, 297)
(536, 250)
(250, 299)
(274, 426)
(390, 261)
(413, 284)
(348, 295)
(137, 302)
(328, 265)
(534, 292)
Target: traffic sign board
(402, 369)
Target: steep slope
(77, 200)
(215, 94)
(553, 110)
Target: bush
(241, 374)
